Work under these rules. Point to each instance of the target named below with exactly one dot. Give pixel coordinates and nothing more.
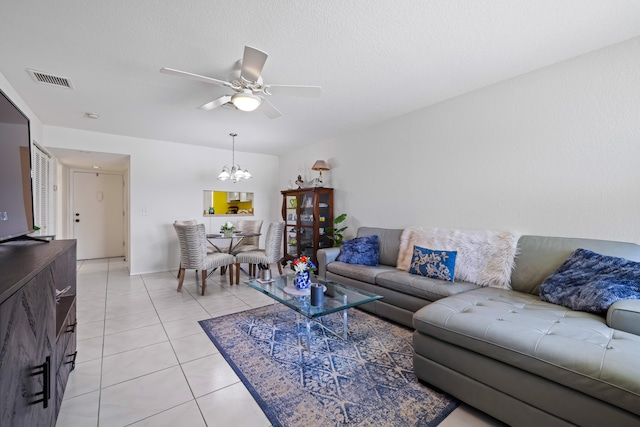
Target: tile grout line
(104, 326)
(176, 356)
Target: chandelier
(235, 172)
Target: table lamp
(320, 165)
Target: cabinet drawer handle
(73, 360)
(45, 371)
(72, 328)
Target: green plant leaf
(340, 218)
(337, 232)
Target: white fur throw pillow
(485, 258)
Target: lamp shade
(224, 175)
(320, 165)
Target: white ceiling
(375, 60)
(80, 159)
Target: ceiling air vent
(50, 79)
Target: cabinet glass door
(305, 234)
(324, 220)
(292, 241)
(306, 209)
(291, 218)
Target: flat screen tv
(16, 202)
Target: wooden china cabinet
(307, 213)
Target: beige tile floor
(143, 359)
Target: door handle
(72, 362)
(77, 214)
(45, 371)
(77, 220)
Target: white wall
(553, 152)
(166, 181)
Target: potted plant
(335, 233)
(227, 229)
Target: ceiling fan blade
(198, 77)
(216, 103)
(252, 62)
(268, 109)
(288, 90)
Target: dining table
(235, 239)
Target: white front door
(98, 214)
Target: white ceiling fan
(246, 82)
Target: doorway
(97, 214)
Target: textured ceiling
(375, 60)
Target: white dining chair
(267, 256)
(194, 256)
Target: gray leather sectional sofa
(505, 352)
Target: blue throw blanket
(588, 281)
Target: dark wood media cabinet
(37, 335)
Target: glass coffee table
(337, 297)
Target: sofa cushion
(389, 240)
(364, 273)
(433, 263)
(575, 349)
(484, 257)
(421, 286)
(588, 281)
(361, 250)
(539, 256)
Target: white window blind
(40, 164)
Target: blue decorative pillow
(361, 250)
(436, 264)
(588, 281)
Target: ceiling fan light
(246, 101)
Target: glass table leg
(344, 319)
(344, 324)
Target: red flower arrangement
(303, 264)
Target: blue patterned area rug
(367, 380)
